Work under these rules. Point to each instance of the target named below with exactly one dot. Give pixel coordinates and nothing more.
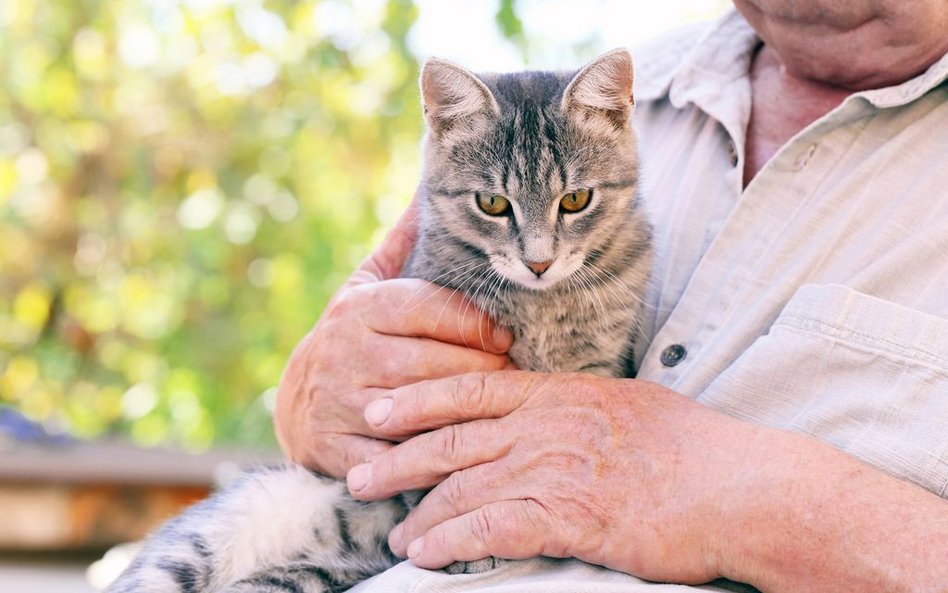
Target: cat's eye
(493, 204)
(575, 201)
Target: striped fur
(533, 137)
(530, 137)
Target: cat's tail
(270, 520)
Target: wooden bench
(88, 497)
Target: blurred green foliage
(182, 187)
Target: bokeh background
(184, 183)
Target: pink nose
(539, 267)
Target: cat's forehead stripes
(529, 132)
(529, 157)
(529, 150)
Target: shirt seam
(869, 342)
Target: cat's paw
(474, 566)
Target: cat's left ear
(602, 90)
(456, 102)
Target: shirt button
(804, 158)
(674, 354)
(732, 153)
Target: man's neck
(782, 105)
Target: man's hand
(377, 333)
(621, 473)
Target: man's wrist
(812, 518)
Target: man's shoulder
(657, 59)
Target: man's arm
(633, 476)
(811, 518)
(409, 329)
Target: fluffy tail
(276, 529)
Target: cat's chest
(559, 332)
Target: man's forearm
(815, 520)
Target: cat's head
(534, 171)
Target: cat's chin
(531, 282)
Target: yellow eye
(576, 201)
(493, 204)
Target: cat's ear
(602, 90)
(455, 100)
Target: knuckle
(342, 304)
(410, 410)
(453, 492)
(353, 302)
(446, 445)
(453, 444)
(469, 392)
(385, 372)
(483, 526)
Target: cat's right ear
(602, 91)
(455, 100)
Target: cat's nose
(539, 267)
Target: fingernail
(502, 338)
(358, 477)
(414, 548)
(377, 412)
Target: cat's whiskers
(634, 309)
(481, 280)
(460, 285)
(621, 285)
(494, 292)
(571, 288)
(439, 289)
(616, 289)
(588, 293)
(621, 295)
(599, 308)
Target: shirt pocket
(864, 374)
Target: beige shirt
(815, 300)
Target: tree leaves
(182, 187)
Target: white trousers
(539, 575)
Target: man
(789, 427)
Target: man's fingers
(338, 453)
(388, 259)
(460, 493)
(409, 360)
(426, 459)
(415, 308)
(513, 529)
(442, 402)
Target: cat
(530, 208)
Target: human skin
(816, 52)
(645, 481)
(762, 506)
(409, 329)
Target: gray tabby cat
(529, 208)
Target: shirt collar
(910, 90)
(688, 70)
(696, 59)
